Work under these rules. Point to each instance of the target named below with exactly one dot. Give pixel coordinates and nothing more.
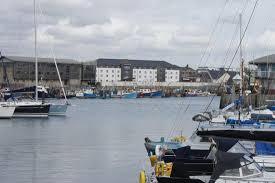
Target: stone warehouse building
(21, 71)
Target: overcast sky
(178, 31)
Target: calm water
(98, 141)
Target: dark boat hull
(177, 180)
(35, 110)
(249, 134)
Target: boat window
(205, 139)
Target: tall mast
(241, 59)
(35, 52)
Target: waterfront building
(265, 73)
(148, 76)
(21, 71)
(105, 72)
(108, 74)
(88, 74)
(144, 71)
(172, 75)
(187, 74)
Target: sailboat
(29, 108)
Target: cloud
(178, 31)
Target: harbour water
(98, 141)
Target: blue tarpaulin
(263, 148)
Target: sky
(193, 32)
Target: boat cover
(263, 148)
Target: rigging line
(176, 119)
(212, 32)
(251, 15)
(176, 122)
(223, 22)
(234, 34)
(233, 38)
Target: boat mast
(35, 52)
(241, 68)
(241, 58)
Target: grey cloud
(177, 31)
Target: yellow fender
(142, 177)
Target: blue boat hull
(130, 95)
(89, 95)
(156, 94)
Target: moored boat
(29, 109)
(130, 95)
(6, 111)
(89, 93)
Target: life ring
(142, 177)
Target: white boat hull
(6, 111)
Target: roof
(43, 60)
(264, 60)
(135, 63)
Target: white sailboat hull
(6, 111)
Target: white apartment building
(145, 76)
(108, 74)
(172, 75)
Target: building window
(140, 72)
(113, 71)
(118, 76)
(107, 72)
(150, 72)
(117, 71)
(171, 77)
(101, 70)
(145, 72)
(139, 76)
(106, 80)
(113, 76)
(101, 75)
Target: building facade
(145, 75)
(146, 71)
(108, 74)
(265, 73)
(21, 71)
(172, 75)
